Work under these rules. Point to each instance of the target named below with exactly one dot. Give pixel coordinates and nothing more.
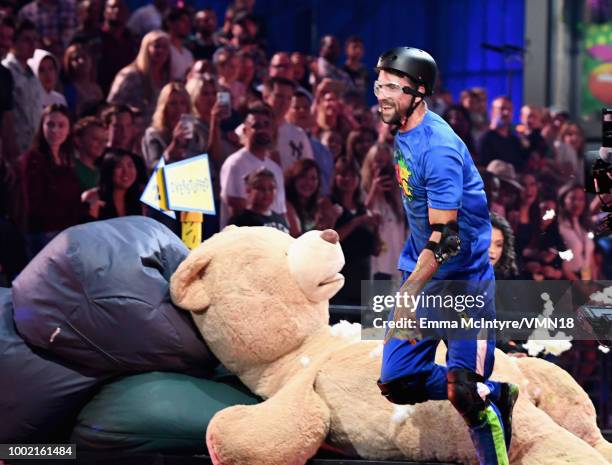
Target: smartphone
(224, 98)
(387, 170)
(188, 122)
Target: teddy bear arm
(287, 429)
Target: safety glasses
(387, 89)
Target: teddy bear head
(256, 293)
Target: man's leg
(409, 374)
(408, 367)
(469, 395)
(470, 360)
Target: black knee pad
(408, 390)
(463, 394)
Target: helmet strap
(403, 119)
(413, 106)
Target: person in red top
(50, 187)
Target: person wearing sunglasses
(450, 232)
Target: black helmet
(415, 63)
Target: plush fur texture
(260, 300)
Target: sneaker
(507, 399)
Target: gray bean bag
(39, 397)
(97, 296)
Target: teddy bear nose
(331, 236)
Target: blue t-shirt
(435, 170)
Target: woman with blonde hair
(174, 132)
(139, 83)
(81, 90)
(209, 112)
(574, 226)
(203, 92)
(383, 198)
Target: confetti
(346, 330)
(533, 348)
(603, 297)
(401, 413)
(376, 351)
(483, 390)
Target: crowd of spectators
(92, 96)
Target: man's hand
(425, 268)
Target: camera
(606, 121)
(597, 321)
(598, 164)
(598, 168)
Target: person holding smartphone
(383, 198)
(173, 133)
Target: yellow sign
(151, 194)
(188, 185)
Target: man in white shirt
(178, 25)
(292, 143)
(258, 133)
(147, 18)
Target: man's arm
(425, 268)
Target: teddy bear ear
(186, 286)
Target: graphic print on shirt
(402, 174)
(296, 149)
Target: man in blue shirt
(450, 232)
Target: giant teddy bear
(260, 300)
